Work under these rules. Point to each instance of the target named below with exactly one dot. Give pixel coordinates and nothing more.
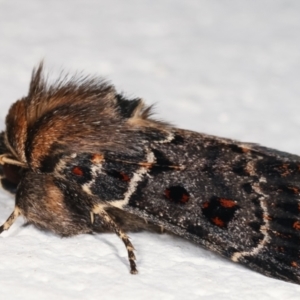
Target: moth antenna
(99, 210)
(11, 219)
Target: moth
(82, 158)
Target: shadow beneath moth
(82, 158)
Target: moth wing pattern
(240, 201)
(94, 161)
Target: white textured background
(228, 68)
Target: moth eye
(77, 171)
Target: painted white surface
(229, 68)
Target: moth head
(57, 112)
(75, 112)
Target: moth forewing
(92, 160)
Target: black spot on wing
(113, 181)
(257, 238)
(78, 169)
(255, 225)
(49, 162)
(162, 163)
(219, 211)
(81, 174)
(119, 175)
(177, 140)
(247, 187)
(177, 194)
(240, 168)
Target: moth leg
(122, 235)
(11, 219)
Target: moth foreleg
(99, 209)
(11, 219)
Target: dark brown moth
(82, 158)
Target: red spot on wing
(294, 264)
(217, 221)
(285, 170)
(296, 225)
(124, 177)
(219, 211)
(227, 202)
(294, 189)
(205, 204)
(77, 171)
(185, 198)
(167, 193)
(177, 194)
